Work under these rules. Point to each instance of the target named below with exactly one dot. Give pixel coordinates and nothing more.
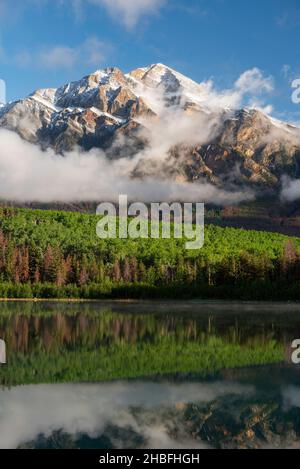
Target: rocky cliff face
(116, 112)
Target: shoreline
(65, 300)
(134, 301)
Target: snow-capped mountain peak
(175, 87)
(119, 112)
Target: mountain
(123, 113)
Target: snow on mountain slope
(159, 109)
(158, 80)
(169, 81)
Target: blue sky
(45, 43)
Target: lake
(149, 375)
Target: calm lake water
(149, 375)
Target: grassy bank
(257, 291)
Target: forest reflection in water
(90, 342)
(156, 375)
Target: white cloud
(290, 189)
(92, 52)
(261, 106)
(59, 56)
(248, 90)
(27, 171)
(29, 174)
(129, 12)
(253, 81)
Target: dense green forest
(56, 254)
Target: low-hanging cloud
(290, 189)
(29, 174)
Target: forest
(57, 254)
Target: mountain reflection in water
(157, 375)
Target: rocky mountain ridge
(117, 112)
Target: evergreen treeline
(47, 254)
